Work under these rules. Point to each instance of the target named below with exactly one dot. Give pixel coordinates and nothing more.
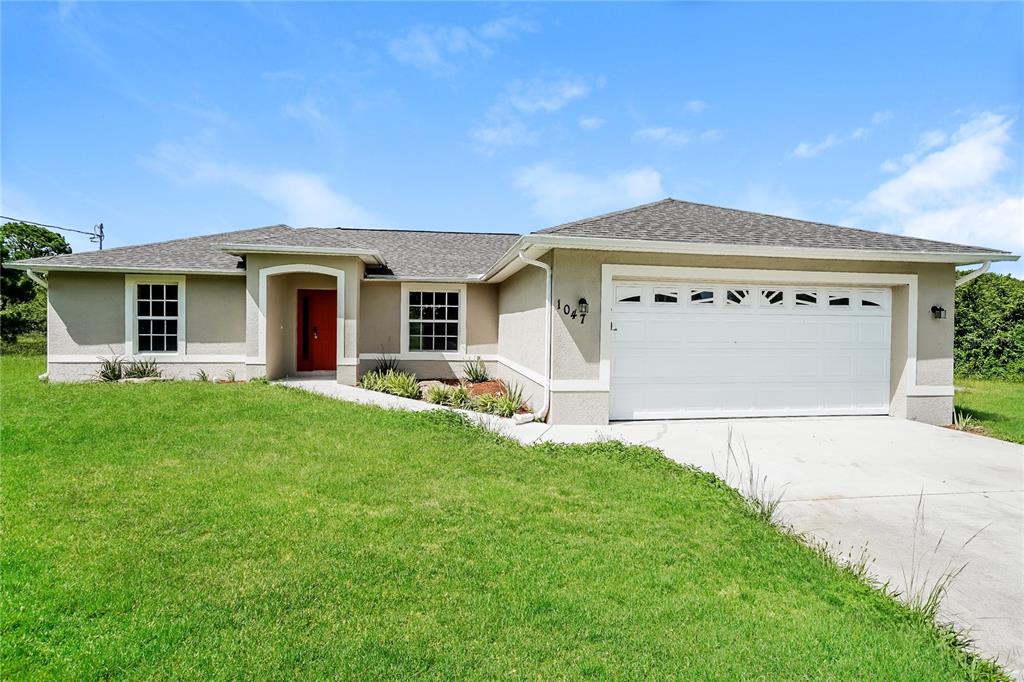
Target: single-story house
(667, 310)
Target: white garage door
(735, 350)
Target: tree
(22, 301)
(989, 328)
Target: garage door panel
(711, 360)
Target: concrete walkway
(908, 494)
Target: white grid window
(433, 320)
(156, 312)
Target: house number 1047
(570, 312)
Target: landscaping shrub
(989, 328)
(510, 402)
(142, 369)
(385, 363)
(437, 394)
(402, 384)
(459, 397)
(487, 403)
(476, 371)
(111, 369)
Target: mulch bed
(491, 386)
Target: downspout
(974, 273)
(37, 279)
(543, 413)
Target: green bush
(111, 369)
(402, 384)
(438, 394)
(476, 371)
(510, 402)
(989, 328)
(142, 369)
(459, 397)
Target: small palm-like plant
(402, 384)
(460, 397)
(962, 421)
(385, 363)
(142, 369)
(487, 402)
(201, 375)
(510, 402)
(111, 369)
(437, 394)
(475, 371)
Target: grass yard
(996, 406)
(191, 530)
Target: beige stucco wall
(85, 319)
(85, 314)
(521, 318)
(279, 349)
(214, 315)
(380, 329)
(576, 347)
(282, 317)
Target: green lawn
(996, 406)
(188, 530)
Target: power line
(96, 235)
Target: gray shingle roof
(409, 253)
(192, 253)
(412, 254)
(682, 221)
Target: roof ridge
(818, 222)
(172, 241)
(408, 229)
(605, 215)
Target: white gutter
(543, 413)
(37, 279)
(974, 273)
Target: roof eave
(712, 249)
(370, 256)
(60, 267)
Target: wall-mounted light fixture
(938, 312)
(583, 306)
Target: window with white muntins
(156, 312)
(434, 320)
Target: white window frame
(131, 318)
(460, 353)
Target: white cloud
(880, 117)
(807, 150)
(545, 95)
(505, 128)
(559, 195)
(955, 191)
(498, 136)
(305, 198)
(306, 110)
(591, 122)
(664, 134)
(436, 49)
(976, 155)
(695, 107)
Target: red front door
(316, 343)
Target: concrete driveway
(891, 486)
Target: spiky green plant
(111, 369)
(437, 394)
(486, 402)
(475, 370)
(459, 397)
(510, 402)
(385, 363)
(142, 369)
(201, 375)
(402, 384)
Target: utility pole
(98, 235)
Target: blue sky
(165, 120)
